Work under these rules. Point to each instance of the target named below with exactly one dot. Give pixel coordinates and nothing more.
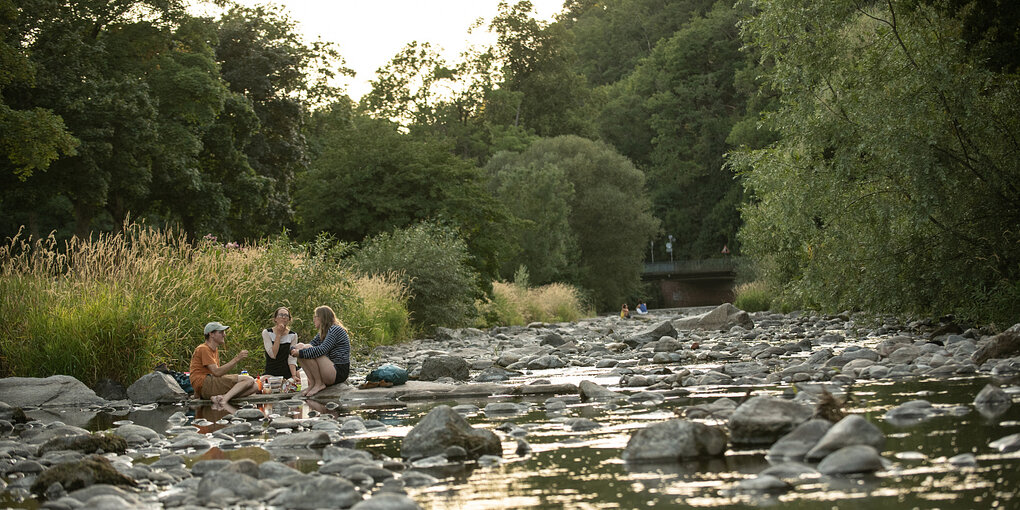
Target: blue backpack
(389, 373)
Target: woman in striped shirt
(327, 360)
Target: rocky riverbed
(693, 407)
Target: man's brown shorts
(213, 385)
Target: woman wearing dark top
(277, 340)
(327, 360)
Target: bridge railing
(716, 265)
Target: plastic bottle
(304, 381)
(244, 372)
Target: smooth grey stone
(674, 440)
(763, 420)
(582, 424)
(317, 492)
(387, 501)
(308, 439)
(850, 431)
(443, 427)
(156, 387)
(249, 413)
(762, 483)
(910, 413)
(858, 458)
(1010, 443)
(800, 440)
(56, 390)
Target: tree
(893, 186)
(369, 178)
(263, 58)
(539, 196)
(673, 116)
(608, 212)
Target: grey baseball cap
(215, 326)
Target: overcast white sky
(370, 32)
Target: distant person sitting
(625, 312)
(212, 381)
(642, 308)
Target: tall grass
(116, 304)
(753, 296)
(517, 304)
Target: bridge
(693, 282)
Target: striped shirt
(337, 346)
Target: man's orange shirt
(203, 356)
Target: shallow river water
(570, 469)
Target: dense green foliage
(432, 262)
(894, 185)
(874, 153)
(597, 219)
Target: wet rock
(308, 439)
(546, 362)
(90, 443)
(12, 414)
(850, 431)
(762, 483)
(992, 402)
(387, 501)
(763, 420)
(674, 440)
(963, 460)
(38, 436)
(418, 479)
(136, 434)
(442, 428)
(792, 472)
(249, 413)
(551, 339)
(80, 474)
(592, 391)
(88, 494)
(799, 441)
(57, 390)
(582, 424)
(436, 367)
(910, 413)
(494, 374)
(156, 387)
(858, 458)
(723, 318)
(504, 408)
(239, 485)
(1010, 443)
(652, 334)
(1003, 345)
(109, 389)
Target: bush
(432, 263)
(753, 297)
(379, 314)
(514, 304)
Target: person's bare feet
(217, 400)
(315, 389)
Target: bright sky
(370, 32)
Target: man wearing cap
(211, 380)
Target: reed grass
(516, 304)
(753, 296)
(115, 305)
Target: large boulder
(436, 367)
(56, 390)
(850, 431)
(442, 428)
(652, 334)
(156, 387)
(724, 317)
(763, 420)
(593, 391)
(1003, 345)
(991, 401)
(675, 440)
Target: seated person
(642, 308)
(277, 341)
(625, 312)
(212, 381)
(327, 360)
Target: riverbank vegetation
(115, 305)
(862, 154)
